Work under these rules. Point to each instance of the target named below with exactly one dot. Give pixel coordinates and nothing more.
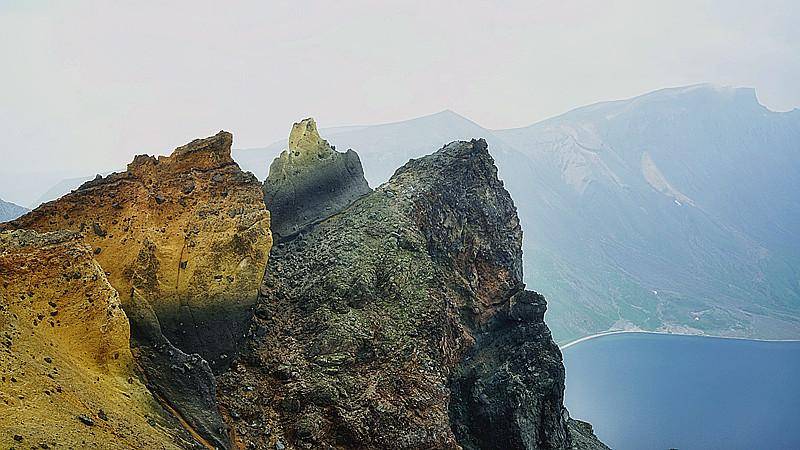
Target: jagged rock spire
(310, 181)
(305, 141)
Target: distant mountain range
(10, 211)
(676, 210)
(64, 186)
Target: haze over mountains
(10, 211)
(673, 211)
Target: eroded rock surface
(189, 233)
(67, 376)
(390, 324)
(184, 383)
(508, 392)
(310, 181)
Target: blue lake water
(647, 391)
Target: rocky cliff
(188, 233)
(394, 318)
(403, 322)
(310, 181)
(66, 370)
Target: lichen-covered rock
(369, 321)
(189, 233)
(67, 375)
(310, 181)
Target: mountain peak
(10, 211)
(304, 140)
(446, 114)
(703, 90)
(219, 144)
(206, 153)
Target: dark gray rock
(183, 383)
(86, 420)
(402, 322)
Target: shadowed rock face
(189, 233)
(508, 392)
(183, 382)
(392, 323)
(66, 370)
(310, 181)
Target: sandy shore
(610, 332)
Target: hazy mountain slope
(674, 210)
(678, 213)
(62, 188)
(10, 211)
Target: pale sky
(85, 85)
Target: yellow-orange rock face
(66, 368)
(189, 232)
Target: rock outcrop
(183, 383)
(508, 392)
(184, 239)
(394, 318)
(402, 322)
(67, 374)
(310, 181)
(188, 233)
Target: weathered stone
(184, 381)
(92, 363)
(167, 252)
(310, 181)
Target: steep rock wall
(188, 232)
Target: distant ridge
(10, 211)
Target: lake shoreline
(658, 390)
(613, 332)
